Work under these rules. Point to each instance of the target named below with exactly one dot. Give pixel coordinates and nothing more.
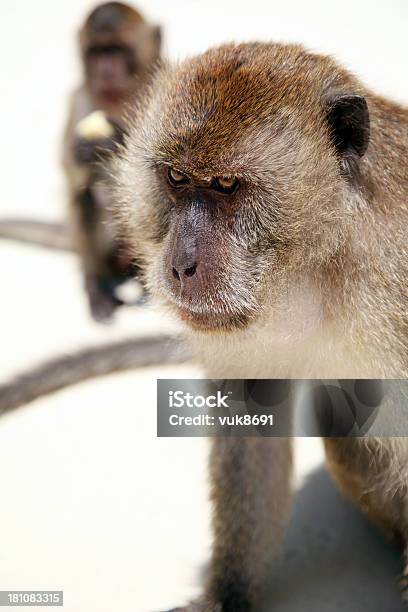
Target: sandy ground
(92, 502)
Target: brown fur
(117, 35)
(301, 273)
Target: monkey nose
(181, 272)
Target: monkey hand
(91, 151)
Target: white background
(91, 502)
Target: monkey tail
(53, 236)
(89, 363)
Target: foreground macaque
(118, 51)
(266, 190)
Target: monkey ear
(157, 36)
(349, 124)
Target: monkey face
(109, 71)
(235, 181)
(204, 265)
(117, 48)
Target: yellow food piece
(95, 125)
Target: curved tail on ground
(88, 363)
(49, 235)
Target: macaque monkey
(265, 188)
(119, 52)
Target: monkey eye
(176, 178)
(226, 184)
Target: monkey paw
(200, 605)
(102, 309)
(102, 304)
(403, 583)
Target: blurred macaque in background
(119, 53)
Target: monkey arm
(93, 139)
(250, 480)
(88, 363)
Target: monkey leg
(251, 497)
(364, 472)
(94, 253)
(101, 297)
(404, 577)
(368, 475)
